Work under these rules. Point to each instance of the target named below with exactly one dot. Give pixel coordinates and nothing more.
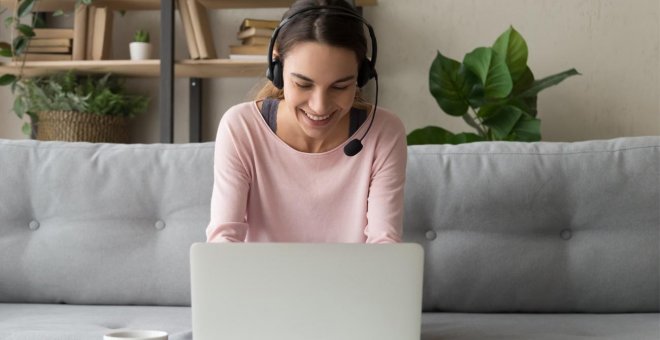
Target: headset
(366, 69)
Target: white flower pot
(140, 50)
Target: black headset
(366, 69)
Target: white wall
(615, 44)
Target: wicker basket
(71, 126)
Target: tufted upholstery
(101, 223)
(541, 227)
(507, 227)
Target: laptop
(302, 291)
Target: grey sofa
(522, 241)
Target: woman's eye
(340, 87)
(303, 86)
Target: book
(79, 33)
(259, 23)
(248, 49)
(186, 21)
(203, 35)
(91, 10)
(256, 41)
(254, 32)
(53, 33)
(102, 32)
(48, 49)
(248, 57)
(35, 42)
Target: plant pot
(140, 50)
(71, 126)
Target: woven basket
(71, 126)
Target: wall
(615, 44)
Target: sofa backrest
(88, 223)
(537, 227)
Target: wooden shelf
(208, 68)
(67, 5)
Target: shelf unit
(166, 68)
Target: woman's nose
(320, 102)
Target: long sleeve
(231, 184)
(386, 189)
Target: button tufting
(160, 225)
(566, 234)
(34, 225)
(431, 235)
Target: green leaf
(503, 120)
(512, 46)
(20, 43)
(9, 21)
(491, 70)
(528, 129)
(27, 129)
(25, 7)
(438, 135)
(448, 86)
(58, 13)
(7, 79)
(26, 30)
(546, 82)
(5, 50)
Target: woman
(281, 173)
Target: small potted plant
(75, 108)
(140, 48)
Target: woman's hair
(322, 26)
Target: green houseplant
(71, 107)
(493, 90)
(140, 48)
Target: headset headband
(332, 10)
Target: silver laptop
(284, 291)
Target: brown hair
(323, 27)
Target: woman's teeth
(316, 118)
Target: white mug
(135, 335)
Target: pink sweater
(266, 191)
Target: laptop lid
(284, 291)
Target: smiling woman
(282, 169)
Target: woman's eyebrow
(298, 75)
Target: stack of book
(50, 44)
(89, 39)
(255, 37)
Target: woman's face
(319, 88)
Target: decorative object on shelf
(28, 43)
(70, 107)
(493, 90)
(140, 48)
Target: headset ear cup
(278, 74)
(365, 73)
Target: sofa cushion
(76, 322)
(441, 326)
(537, 227)
(85, 223)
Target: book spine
(79, 33)
(188, 29)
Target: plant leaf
(7, 79)
(448, 86)
(26, 30)
(5, 49)
(492, 71)
(546, 82)
(25, 7)
(513, 48)
(27, 129)
(503, 120)
(528, 129)
(20, 43)
(438, 135)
